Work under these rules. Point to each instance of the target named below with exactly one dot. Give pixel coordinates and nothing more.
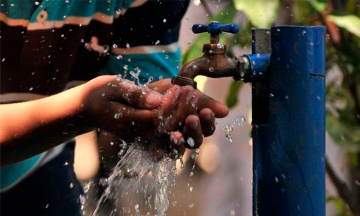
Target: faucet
(215, 64)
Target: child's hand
(119, 107)
(187, 114)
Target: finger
(131, 117)
(207, 119)
(220, 110)
(177, 143)
(192, 133)
(161, 86)
(183, 103)
(128, 93)
(170, 101)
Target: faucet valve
(215, 29)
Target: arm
(30, 128)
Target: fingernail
(207, 117)
(153, 99)
(177, 92)
(194, 125)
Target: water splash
(130, 175)
(238, 122)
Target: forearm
(30, 128)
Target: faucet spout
(209, 65)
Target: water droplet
(276, 180)
(303, 32)
(111, 143)
(271, 95)
(166, 56)
(192, 204)
(278, 30)
(191, 189)
(71, 185)
(133, 123)
(229, 138)
(191, 142)
(47, 206)
(164, 20)
(211, 69)
(194, 67)
(118, 77)
(119, 57)
(219, 45)
(267, 32)
(127, 45)
(210, 51)
(66, 163)
(137, 209)
(31, 88)
(232, 212)
(125, 67)
(157, 42)
(240, 120)
(37, 3)
(117, 115)
(191, 174)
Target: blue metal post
(289, 135)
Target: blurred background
(221, 183)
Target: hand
(119, 107)
(188, 113)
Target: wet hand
(119, 107)
(188, 114)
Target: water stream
(129, 175)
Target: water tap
(214, 63)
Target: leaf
(349, 22)
(232, 98)
(318, 5)
(262, 13)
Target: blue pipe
(259, 65)
(289, 147)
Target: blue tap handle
(216, 28)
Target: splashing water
(238, 122)
(129, 175)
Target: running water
(129, 175)
(238, 122)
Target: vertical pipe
(261, 44)
(291, 173)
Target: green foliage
(349, 22)
(261, 13)
(232, 98)
(341, 122)
(340, 206)
(318, 5)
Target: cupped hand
(120, 107)
(187, 114)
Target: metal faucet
(215, 64)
